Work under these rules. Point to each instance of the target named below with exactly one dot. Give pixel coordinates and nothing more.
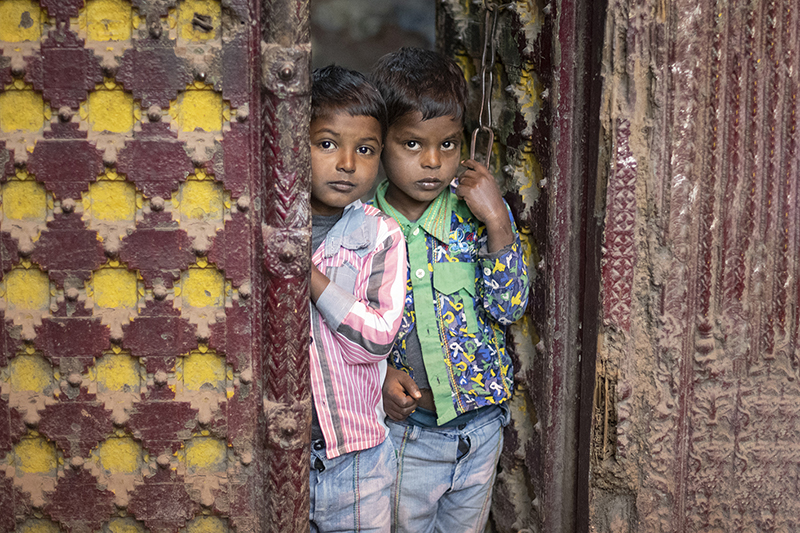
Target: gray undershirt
(415, 361)
(320, 226)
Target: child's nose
(346, 163)
(431, 159)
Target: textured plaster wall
(696, 422)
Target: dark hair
(336, 89)
(414, 79)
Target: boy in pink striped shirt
(357, 296)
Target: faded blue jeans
(445, 475)
(352, 492)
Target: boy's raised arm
(477, 187)
(505, 275)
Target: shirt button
(487, 271)
(420, 273)
(415, 232)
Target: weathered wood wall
(697, 404)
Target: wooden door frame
(574, 223)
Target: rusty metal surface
(698, 348)
(132, 342)
(286, 112)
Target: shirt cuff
(334, 304)
(492, 256)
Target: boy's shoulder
(372, 211)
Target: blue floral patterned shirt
(459, 300)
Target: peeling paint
(25, 210)
(206, 524)
(527, 91)
(33, 466)
(115, 295)
(202, 206)
(35, 525)
(20, 20)
(28, 384)
(199, 107)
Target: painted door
(145, 326)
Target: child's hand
(477, 187)
(400, 394)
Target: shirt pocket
(456, 281)
(344, 276)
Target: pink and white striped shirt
(354, 324)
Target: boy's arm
(477, 187)
(366, 329)
(505, 273)
(319, 282)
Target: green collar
(435, 220)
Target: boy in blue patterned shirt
(450, 375)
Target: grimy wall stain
(130, 373)
(697, 405)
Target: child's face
(420, 159)
(345, 154)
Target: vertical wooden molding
(286, 106)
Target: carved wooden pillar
(286, 56)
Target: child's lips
(429, 183)
(341, 186)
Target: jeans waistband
(427, 419)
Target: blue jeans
(352, 492)
(445, 475)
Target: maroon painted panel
(78, 485)
(162, 426)
(154, 252)
(160, 336)
(69, 70)
(154, 73)
(66, 167)
(155, 165)
(60, 338)
(163, 507)
(62, 422)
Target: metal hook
(489, 144)
(490, 5)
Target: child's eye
(448, 145)
(412, 144)
(365, 150)
(326, 145)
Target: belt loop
(414, 433)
